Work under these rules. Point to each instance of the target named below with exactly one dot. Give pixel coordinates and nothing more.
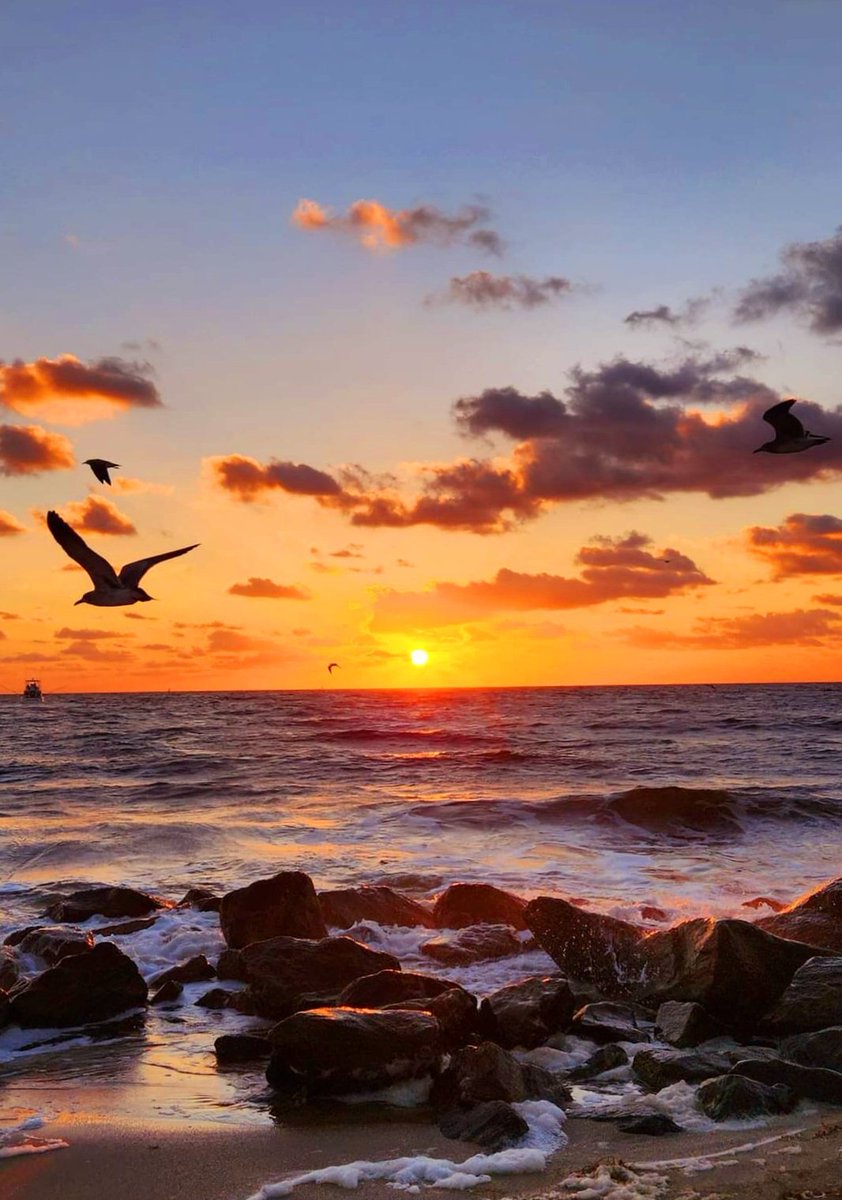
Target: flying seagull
(790, 434)
(330, 667)
(100, 466)
(111, 590)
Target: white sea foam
(18, 1139)
(176, 935)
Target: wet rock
(474, 944)
(683, 1024)
(606, 1058)
(169, 991)
(242, 1047)
(285, 974)
(344, 907)
(103, 902)
(200, 898)
(610, 1021)
(55, 944)
(492, 1125)
(733, 1097)
(820, 1049)
(813, 999)
(391, 987)
(125, 927)
(81, 989)
(476, 1074)
(527, 1013)
(352, 1049)
(464, 904)
(216, 998)
(651, 1124)
(5, 1009)
(650, 912)
(657, 1069)
(10, 971)
(764, 902)
(456, 1012)
(194, 970)
(815, 918)
(284, 906)
(674, 810)
(588, 946)
(17, 935)
(808, 1083)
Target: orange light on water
(419, 658)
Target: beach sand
(128, 1160)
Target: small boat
(32, 690)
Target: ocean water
(535, 790)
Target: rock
(17, 935)
(767, 901)
(81, 989)
(808, 1083)
(474, 944)
(55, 944)
(476, 1074)
(815, 918)
(812, 1001)
(391, 987)
(284, 906)
(455, 1011)
(651, 1124)
(194, 970)
(650, 912)
(734, 1097)
(168, 992)
(588, 946)
(242, 1047)
(353, 1049)
(606, 1058)
(821, 1049)
(733, 969)
(104, 902)
(464, 904)
(657, 1069)
(124, 927)
(675, 809)
(683, 1023)
(285, 974)
(10, 971)
(343, 907)
(216, 998)
(200, 898)
(492, 1125)
(609, 1021)
(527, 1013)
(5, 1009)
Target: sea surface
(531, 789)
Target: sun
(419, 658)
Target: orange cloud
(265, 589)
(127, 486)
(803, 627)
(29, 450)
(97, 514)
(92, 653)
(377, 227)
(70, 392)
(804, 544)
(9, 526)
(248, 479)
(85, 635)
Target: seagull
(111, 590)
(330, 667)
(100, 466)
(790, 434)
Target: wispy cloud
(809, 285)
(377, 227)
(266, 589)
(482, 290)
(803, 627)
(9, 527)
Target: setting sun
(419, 658)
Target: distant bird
(330, 667)
(111, 590)
(790, 434)
(100, 467)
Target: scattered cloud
(92, 653)
(354, 550)
(828, 599)
(70, 392)
(127, 486)
(482, 290)
(803, 544)
(804, 627)
(266, 589)
(85, 635)
(662, 314)
(97, 514)
(9, 527)
(29, 450)
(377, 227)
(810, 285)
(247, 479)
(131, 616)
(7, 616)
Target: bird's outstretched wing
(132, 573)
(330, 667)
(100, 570)
(782, 421)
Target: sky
(440, 327)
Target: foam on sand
(17, 1139)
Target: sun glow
(419, 658)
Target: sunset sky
(441, 327)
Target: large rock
(391, 987)
(735, 1097)
(813, 999)
(657, 1069)
(103, 902)
(683, 1023)
(345, 906)
(81, 989)
(200, 898)
(476, 1074)
(168, 993)
(242, 1047)
(820, 1049)
(52, 945)
(808, 1083)
(10, 968)
(456, 1012)
(284, 906)
(815, 918)
(352, 1049)
(194, 970)
(474, 944)
(285, 974)
(674, 810)
(5, 1009)
(613, 1021)
(588, 946)
(464, 904)
(527, 1013)
(606, 1058)
(493, 1125)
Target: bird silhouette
(100, 468)
(790, 434)
(330, 667)
(111, 589)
